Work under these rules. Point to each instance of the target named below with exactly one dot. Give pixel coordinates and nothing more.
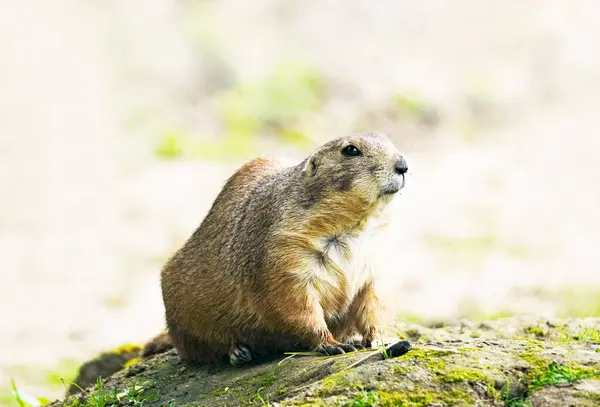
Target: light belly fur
(351, 256)
(352, 253)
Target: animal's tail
(159, 344)
(109, 363)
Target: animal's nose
(400, 167)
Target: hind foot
(239, 355)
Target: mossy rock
(105, 364)
(458, 370)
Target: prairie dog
(274, 266)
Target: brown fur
(159, 344)
(254, 274)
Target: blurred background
(120, 120)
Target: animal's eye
(351, 151)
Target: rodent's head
(367, 165)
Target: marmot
(271, 268)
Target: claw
(347, 347)
(239, 355)
(358, 345)
(336, 349)
(329, 350)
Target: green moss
(537, 345)
(562, 335)
(589, 335)
(405, 399)
(422, 397)
(426, 354)
(464, 375)
(544, 372)
(471, 376)
(333, 384)
(430, 359)
(363, 399)
(403, 368)
(556, 373)
(533, 358)
(537, 331)
(412, 398)
(443, 373)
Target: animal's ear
(311, 165)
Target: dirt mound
(510, 362)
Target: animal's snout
(400, 167)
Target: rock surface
(522, 361)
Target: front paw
(360, 345)
(329, 349)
